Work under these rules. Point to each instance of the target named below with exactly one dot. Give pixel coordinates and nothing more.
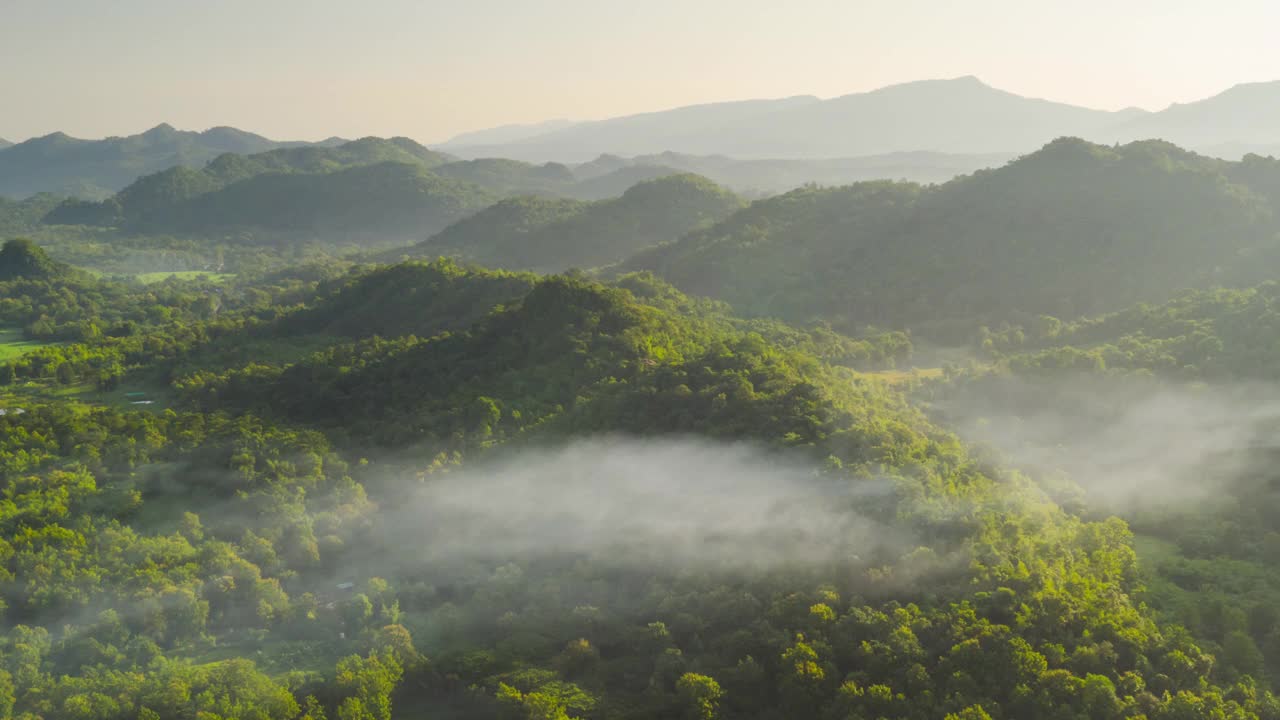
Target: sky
(429, 69)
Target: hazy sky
(432, 68)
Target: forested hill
(97, 168)
(241, 554)
(378, 202)
(551, 235)
(1072, 229)
(369, 188)
(510, 177)
(148, 200)
(1216, 335)
(547, 342)
(384, 190)
(23, 260)
(422, 299)
(771, 176)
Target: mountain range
(958, 116)
(95, 169)
(928, 131)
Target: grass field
(82, 396)
(155, 277)
(12, 344)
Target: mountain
(505, 134)
(411, 298)
(96, 168)
(1071, 229)
(551, 235)
(962, 116)
(369, 185)
(770, 176)
(1243, 119)
(5, 143)
(324, 158)
(369, 202)
(614, 183)
(511, 177)
(21, 259)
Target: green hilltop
(21, 259)
(550, 235)
(1072, 229)
(61, 164)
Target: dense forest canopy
(937, 591)
(1069, 230)
(552, 235)
(996, 448)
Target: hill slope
(1072, 229)
(1242, 119)
(780, 175)
(371, 201)
(21, 259)
(369, 187)
(510, 177)
(96, 168)
(553, 235)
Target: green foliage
(21, 259)
(1208, 334)
(1069, 230)
(554, 235)
(231, 558)
(95, 168)
(700, 695)
(369, 187)
(367, 200)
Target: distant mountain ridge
(924, 131)
(961, 115)
(955, 116)
(767, 176)
(95, 169)
(1244, 118)
(507, 133)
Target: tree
(370, 680)
(7, 696)
(699, 695)
(973, 712)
